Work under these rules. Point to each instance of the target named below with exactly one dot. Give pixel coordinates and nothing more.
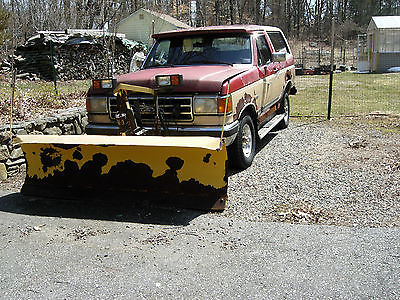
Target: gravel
(332, 173)
(311, 173)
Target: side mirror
(278, 57)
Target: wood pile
(75, 56)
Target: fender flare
(249, 108)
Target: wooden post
(13, 69)
(152, 28)
(53, 67)
(344, 53)
(14, 75)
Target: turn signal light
(222, 103)
(96, 84)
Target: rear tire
(284, 109)
(243, 149)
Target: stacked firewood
(74, 56)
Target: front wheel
(243, 149)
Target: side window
(278, 42)
(160, 56)
(263, 51)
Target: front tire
(243, 149)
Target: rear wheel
(243, 149)
(285, 110)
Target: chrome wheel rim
(247, 140)
(286, 109)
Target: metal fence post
(332, 62)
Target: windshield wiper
(160, 65)
(212, 62)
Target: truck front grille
(173, 108)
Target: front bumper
(230, 130)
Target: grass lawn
(353, 94)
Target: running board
(270, 125)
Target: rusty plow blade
(180, 171)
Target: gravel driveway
(324, 173)
(312, 173)
(333, 173)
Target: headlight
(205, 105)
(103, 83)
(169, 80)
(106, 84)
(212, 105)
(163, 80)
(96, 104)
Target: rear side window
(278, 42)
(263, 51)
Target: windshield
(200, 50)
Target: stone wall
(70, 121)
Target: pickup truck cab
(242, 74)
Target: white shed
(383, 43)
(139, 25)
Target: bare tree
(296, 17)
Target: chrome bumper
(230, 130)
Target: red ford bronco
(243, 71)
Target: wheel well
(287, 88)
(251, 111)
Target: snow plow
(166, 131)
(138, 164)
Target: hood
(196, 79)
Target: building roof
(165, 17)
(387, 22)
(217, 29)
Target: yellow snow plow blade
(183, 171)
